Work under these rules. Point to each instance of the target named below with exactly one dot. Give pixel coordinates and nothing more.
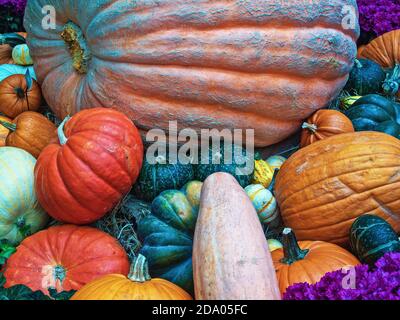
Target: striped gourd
(20, 212)
(264, 170)
(264, 203)
(21, 55)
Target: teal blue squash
(7, 70)
(161, 176)
(20, 212)
(375, 113)
(167, 234)
(366, 77)
(232, 159)
(371, 237)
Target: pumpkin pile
(88, 214)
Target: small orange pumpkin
(307, 261)
(137, 286)
(30, 131)
(4, 131)
(323, 124)
(15, 97)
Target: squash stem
(60, 131)
(358, 63)
(312, 127)
(139, 270)
(291, 249)
(10, 126)
(391, 85)
(272, 184)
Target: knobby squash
(308, 261)
(264, 170)
(324, 124)
(65, 258)
(324, 187)
(4, 132)
(206, 64)
(167, 234)
(30, 131)
(94, 165)
(21, 213)
(137, 286)
(231, 258)
(371, 237)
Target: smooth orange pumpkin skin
(323, 257)
(384, 50)
(11, 104)
(119, 287)
(33, 133)
(327, 124)
(85, 253)
(263, 65)
(4, 132)
(231, 258)
(325, 186)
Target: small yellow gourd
(21, 55)
(264, 170)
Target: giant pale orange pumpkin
(231, 258)
(94, 165)
(325, 186)
(308, 261)
(324, 124)
(137, 286)
(30, 131)
(251, 64)
(16, 97)
(65, 258)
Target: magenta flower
(17, 5)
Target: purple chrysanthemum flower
(380, 283)
(17, 5)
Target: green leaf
(6, 250)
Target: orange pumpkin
(137, 286)
(206, 64)
(307, 261)
(360, 50)
(323, 124)
(4, 131)
(65, 258)
(325, 186)
(30, 131)
(15, 97)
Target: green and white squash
(371, 237)
(20, 212)
(264, 203)
(21, 55)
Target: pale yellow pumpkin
(21, 55)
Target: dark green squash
(12, 39)
(156, 178)
(375, 113)
(366, 77)
(216, 162)
(167, 234)
(371, 237)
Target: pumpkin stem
(312, 127)
(10, 126)
(59, 273)
(60, 131)
(358, 63)
(392, 83)
(75, 40)
(291, 249)
(139, 270)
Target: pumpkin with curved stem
(30, 131)
(371, 238)
(65, 258)
(94, 165)
(324, 187)
(21, 213)
(307, 261)
(16, 96)
(21, 55)
(137, 286)
(206, 64)
(4, 131)
(324, 124)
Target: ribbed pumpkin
(65, 258)
(324, 124)
(264, 202)
(16, 96)
(324, 187)
(207, 64)
(93, 167)
(30, 131)
(137, 286)
(21, 214)
(4, 131)
(21, 55)
(307, 261)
